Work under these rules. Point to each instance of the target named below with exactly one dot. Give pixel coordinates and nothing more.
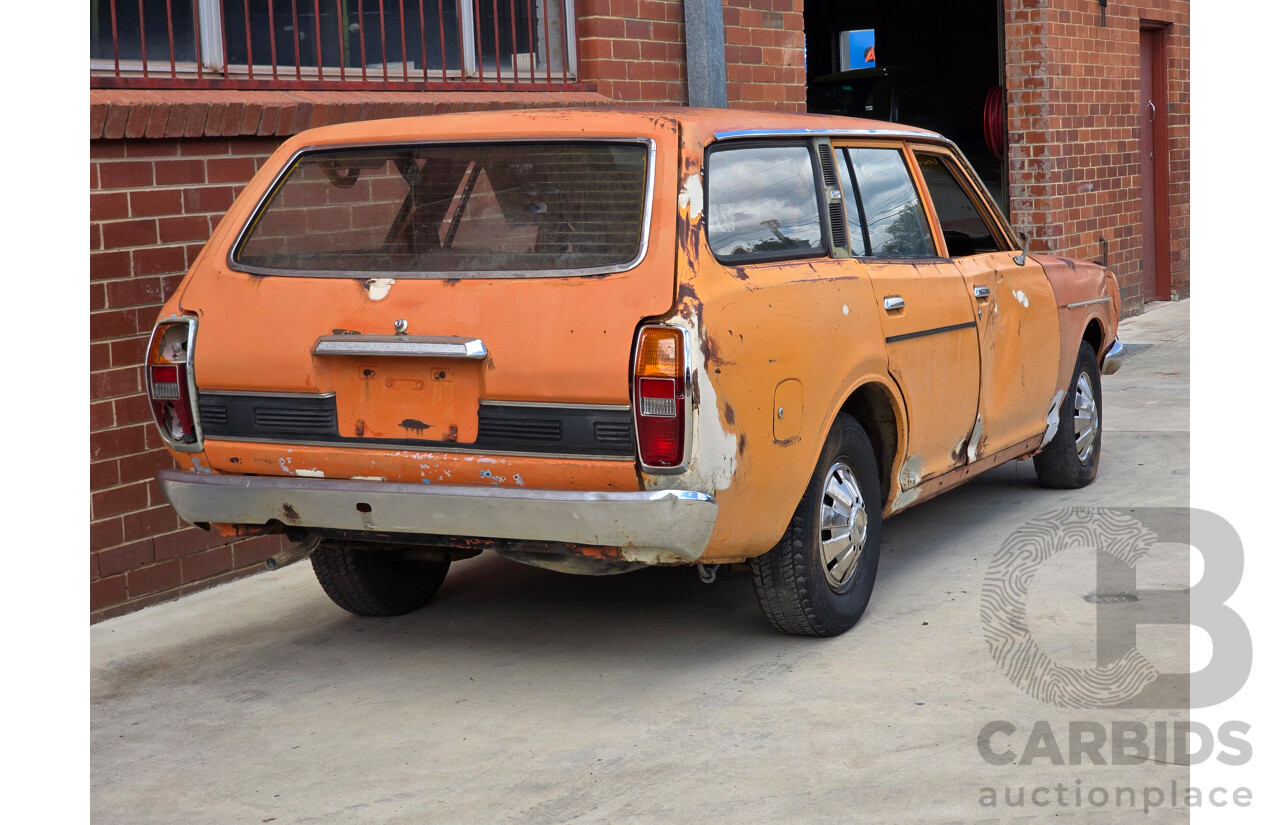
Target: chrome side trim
(407, 346)
(739, 134)
(1114, 359)
(650, 176)
(656, 526)
(265, 394)
(1106, 299)
(556, 404)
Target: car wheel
(1071, 458)
(817, 580)
(376, 581)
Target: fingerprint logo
(1004, 607)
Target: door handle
(894, 302)
(981, 292)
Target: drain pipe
(704, 53)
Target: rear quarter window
(762, 203)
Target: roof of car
(703, 124)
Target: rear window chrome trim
(365, 274)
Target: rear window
(453, 210)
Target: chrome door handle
(893, 302)
(981, 292)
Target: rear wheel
(376, 581)
(1071, 458)
(817, 580)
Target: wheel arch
(876, 409)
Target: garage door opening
(916, 62)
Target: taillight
(659, 393)
(169, 385)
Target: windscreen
(454, 210)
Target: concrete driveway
(526, 696)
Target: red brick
(103, 265)
(159, 260)
(115, 443)
(135, 409)
(230, 169)
(126, 557)
(119, 500)
(129, 352)
(151, 522)
(125, 174)
(133, 292)
(110, 383)
(144, 466)
(105, 533)
(117, 234)
(153, 579)
(107, 592)
(187, 541)
(103, 474)
(208, 199)
(208, 563)
(108, 206)
(184, 228)
(189, 172)
(151, 202)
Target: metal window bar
(482, 44)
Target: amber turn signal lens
(659, 353)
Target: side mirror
(1021, 260)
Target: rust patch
(235, 459)
(346, 332)
(418, 428)
(742, 443)
(360, 427)
(729, 418)
(290, 514)
(740, 273)
(452, 435)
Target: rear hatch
(478, 295)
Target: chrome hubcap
(843, 530)
(1086, 405)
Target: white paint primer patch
(690, 197)
(309, 473)
(844, 308)
(1021, 297)
(379, 287)
(368, 478)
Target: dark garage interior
(936, 64)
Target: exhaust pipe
(296, 553)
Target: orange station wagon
(605, 339)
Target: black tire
(375, 581)
(1064, 464)
(792, 583)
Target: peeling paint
(284, 466)
(368, 478)
(975, 439)
(844, 308)
(909, 475)
(1052, 418)
(200, 467)
(690, 197)
(378, 287)
(1021, 297)
(518, 479)
(309, 473)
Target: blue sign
(857, 49)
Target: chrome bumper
(1114, 358)
(652, 526)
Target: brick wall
(1073, 104)
(634, 52)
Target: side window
(762, 204)
(892, 216)
(964, 229)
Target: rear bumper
(652, 526)
(1114, 358)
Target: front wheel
(376, 581)
(1070, 460)
(817, 580)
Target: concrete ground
(527, 696)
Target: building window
(331, 43)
